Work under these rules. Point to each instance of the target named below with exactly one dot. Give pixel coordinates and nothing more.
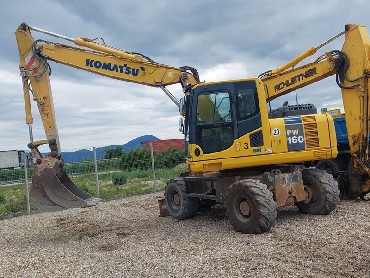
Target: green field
(13, 198)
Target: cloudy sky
(222, 39)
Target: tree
(113, 153)
(141, 159)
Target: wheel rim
(310, 196)
(176, 199)
(243, 207)
(173, 200)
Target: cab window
(214, 121)
(247, 104)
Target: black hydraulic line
(193, 71)
(342, 65)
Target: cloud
(223, 40)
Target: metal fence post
(96, 173)
(153, 170)
(26, 183)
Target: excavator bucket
(53, 190)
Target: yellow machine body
(283, 140)
(226, 124)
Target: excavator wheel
(322, 190)
(179, 205)
(338, 168)
(250, 207)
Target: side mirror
(182, 107)
(181, 126)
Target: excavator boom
(51, 188)
(351, 66)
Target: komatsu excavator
(235, 154)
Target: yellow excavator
(235, 154)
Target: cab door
(214, 129)
(248, 114)
(222, 113)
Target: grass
(13, 200)
(138, 182)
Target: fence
(93, 170)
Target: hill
(84, 154)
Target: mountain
(136, 143)
(84, 154)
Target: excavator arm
(51, 187)
(100, 59)
(290, 80)
(351, 66)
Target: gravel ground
(127, 238)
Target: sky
(221, 39)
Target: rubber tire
(338, 167)
(261, 203)
(187, 206)
(324, 189)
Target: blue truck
(337, 166)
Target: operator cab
(227, 127)
(223, 112)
